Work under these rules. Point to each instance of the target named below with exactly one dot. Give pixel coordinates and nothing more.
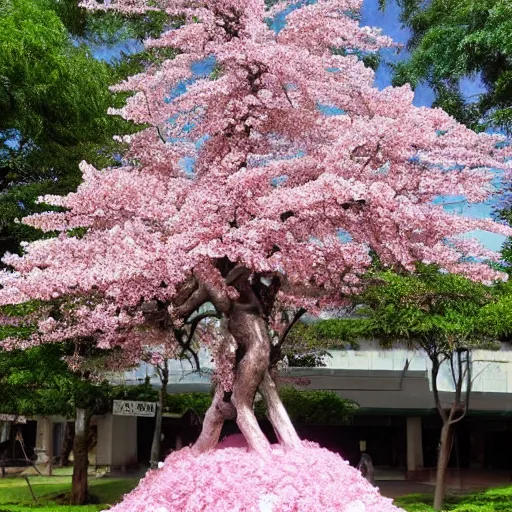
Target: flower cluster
(231, 478)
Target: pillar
(414, 449)
(5, 429)
(44, 442)
(117, 441)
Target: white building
(397, 419)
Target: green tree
(40, 381)
(445, 316)
(54, 98)
(455, 39)
(308, 343)
(314, 407)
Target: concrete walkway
(396, 488)
(457, 482)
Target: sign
(132, 408)
(12, 417)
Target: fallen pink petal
(229, 478)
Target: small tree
(38, 382)
(65, 377)
(443, 315)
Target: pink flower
(233, 478)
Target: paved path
(396, 488)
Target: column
(414, 448)
(5, 429)
(117, 441)
(44, 442)
(104, 442)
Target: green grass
(498, 499)
(15, 494)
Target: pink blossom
(231, 478)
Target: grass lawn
(498, 499)
(15, 494)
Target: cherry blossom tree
(284, 206)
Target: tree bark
(249, 331)
(79, 485)
(248, 327)
(157, 434)
(217, 413)
(445, 446)
(277, 414)
(67, 446)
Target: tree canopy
(241, 193)
(427, 308)
(456, 39)
(54, 99)
(38, 382)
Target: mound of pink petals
(235, 480)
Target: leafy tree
(46, 380)
(38, 382)
(456, 39)
(444, 315)
(308, 344)
(313, 407)
(54, 99)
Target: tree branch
(286, 94)
(151, 115)
(452, 368)
(435, 391)
(458, 389)
(299, 313)
(235, 274)
(196, 358)
(468, 390)
(186, 345)
(197, 320)
(196, 299)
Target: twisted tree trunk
(248, 327)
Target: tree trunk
(67, 446)
(445, 447)
(157, 434)
(250, 334)
(283, 427)
(79, 489)
(217, 413)
(248, 328)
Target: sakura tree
(284, 206)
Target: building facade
(397, 423)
